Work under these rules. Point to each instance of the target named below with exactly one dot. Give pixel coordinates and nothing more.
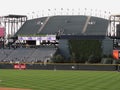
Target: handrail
(43, 25)
(86, 24)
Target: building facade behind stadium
(66, 38)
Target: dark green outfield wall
(65, 67)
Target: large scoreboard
(40, 38)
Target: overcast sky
(28, 6)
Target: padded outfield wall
(96, 67)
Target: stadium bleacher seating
(26, 54)
(67, 25)
(97, 26)
(30, 27)
(79, 25)
(41, 54)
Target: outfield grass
(60, 80)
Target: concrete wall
(107, 46)
(64, 48)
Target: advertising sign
(2, 31)
(19, 66)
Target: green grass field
(60, 80)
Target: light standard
(85, 11)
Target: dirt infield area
(3, 88)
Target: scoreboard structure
(38, 40)
(114, 34)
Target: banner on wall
(19, 66)
(116, 54)
(2, 31)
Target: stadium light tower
(49, 12)
(33, 14)
(67, 11)
(91, 12)
(55, 11)
(100, 13)
(96, 12)
(42, 13)
(72, 11)
(79, 11)
(104, 14)
(85, 11)
(61, 11)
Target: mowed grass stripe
(12, 78)
(97, 81)
(97, 78)
(60, 80)
(110, 82)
